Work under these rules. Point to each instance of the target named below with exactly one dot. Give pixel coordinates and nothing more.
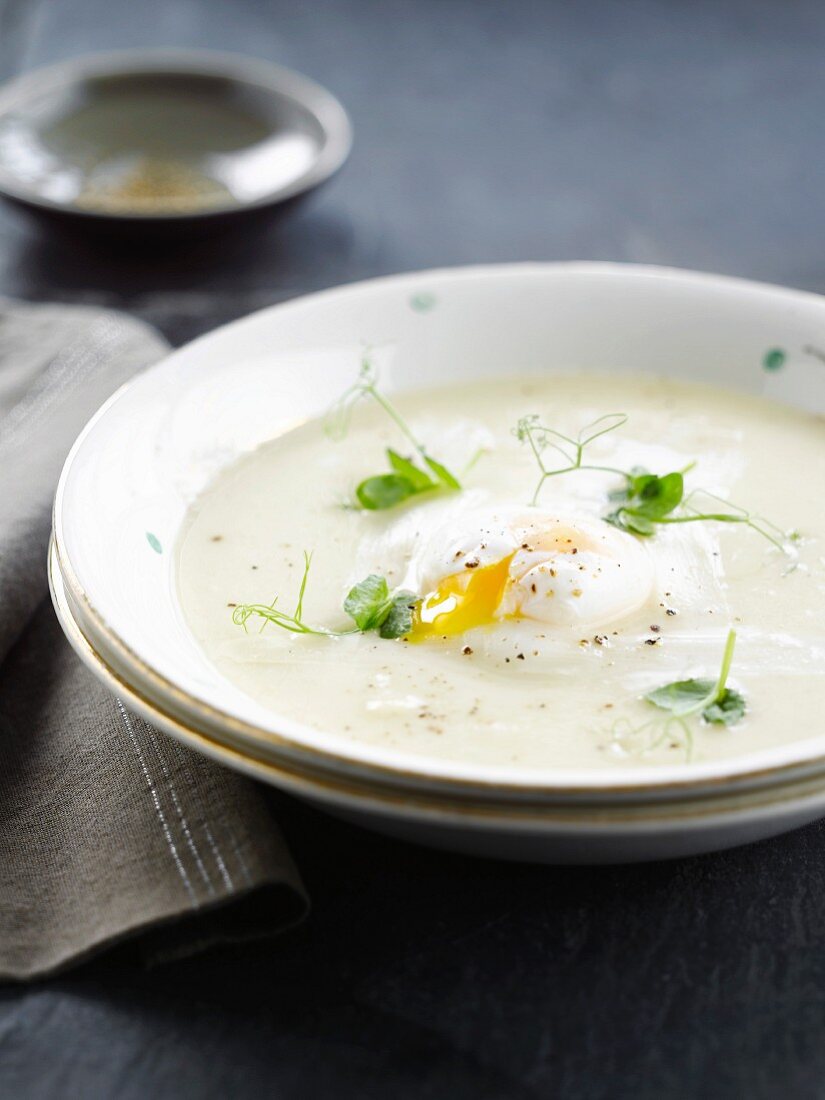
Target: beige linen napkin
(107, 826)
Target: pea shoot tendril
(711, 700)
(410, 475)
(370, 604)
(645, 500)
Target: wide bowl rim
(765, 765)
(276, 79)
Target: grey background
(678, 133)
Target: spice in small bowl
(165, 137)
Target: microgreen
(645, 500)
(398, 621)
(418, 473)
(659, 497)
(373, 607)
(370, 604)
(711, 698)
(682, 700)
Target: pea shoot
(409, 475)
(717, 703)
(645, 500)
(370, 604)
(710, 700)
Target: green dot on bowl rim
(422, 302)
(774, 359)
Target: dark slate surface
(680, 133)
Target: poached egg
(489, 566)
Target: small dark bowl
(156, 142)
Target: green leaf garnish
(681, 694)
(372, 607)
(405, 468)
(645, 499)
(654, 496)
(369, 604)
(681, 701)
(442, 473)
(367, 600)
(728, 708)
(710, 698)
(399, 619)
(408, 477)
(684, 694)
(384, 491)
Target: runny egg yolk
(459, 603)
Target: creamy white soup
(507, 620)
